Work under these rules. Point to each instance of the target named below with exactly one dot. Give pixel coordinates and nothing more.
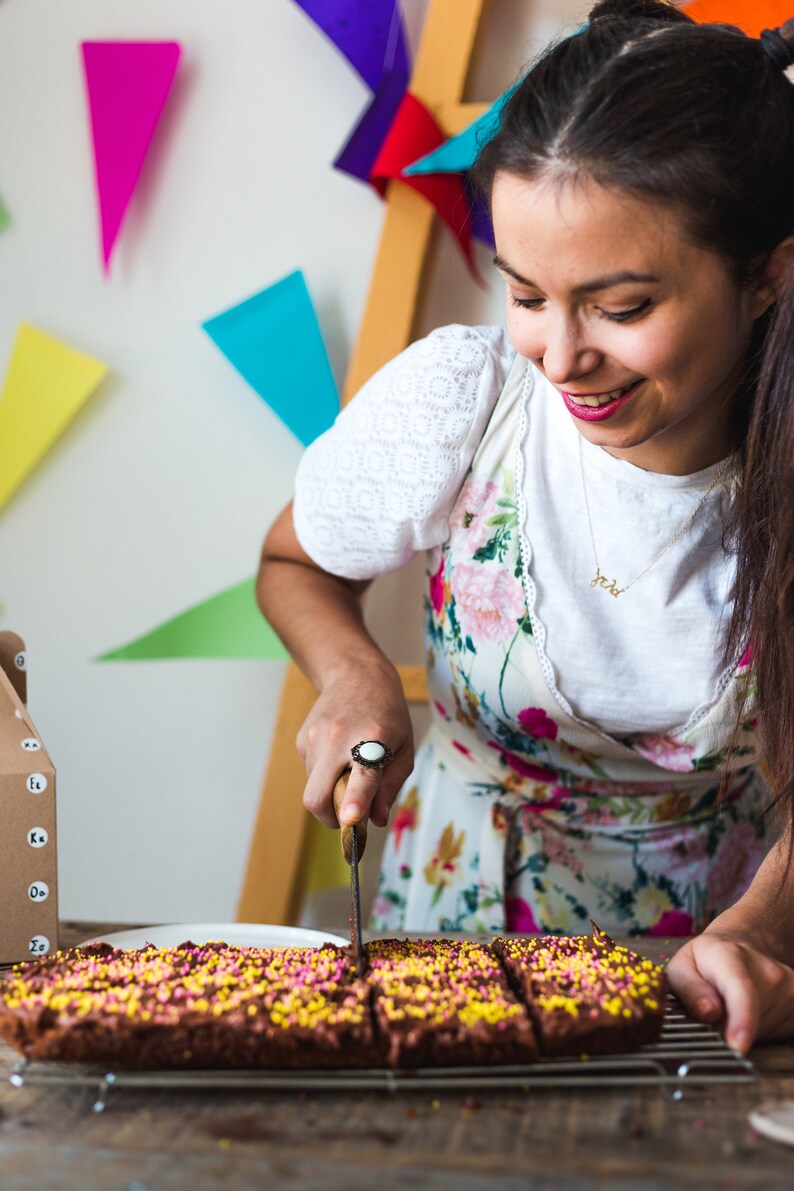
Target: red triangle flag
(413, 133)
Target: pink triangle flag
(127, 83)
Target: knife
(354, 840)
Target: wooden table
(563, 1140)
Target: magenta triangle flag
(127, 83)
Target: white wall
(159, 493)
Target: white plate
(239, 934)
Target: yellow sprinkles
(586, 975)
(285, 986)
(438, 981)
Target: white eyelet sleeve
(379, 485)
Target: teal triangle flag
(274, 341)
(227, 625)
(459, 152)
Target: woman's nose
(567, 353)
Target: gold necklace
(610, 585)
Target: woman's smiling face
(643, 333)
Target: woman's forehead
(582, 230)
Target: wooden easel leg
(272, 885)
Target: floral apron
(518, 815)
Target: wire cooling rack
(688, 1056)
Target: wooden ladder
(272, 886)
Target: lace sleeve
(379, 485)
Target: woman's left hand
(722, 977)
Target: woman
(603, 489)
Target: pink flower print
(475, 505)
(734, 866)
(441, 709)
(437, 588)
(535, 722)
(462, 749)
(558, 852)
(406, 816)
(519, 765)
(519, 917)
(665, 752)
(381, 907)
(673, 922)
(490, 601)
(747, 657)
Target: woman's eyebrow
(598, 283)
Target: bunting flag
(264, 338)
(750, 15)
(227, 625)
(369, 33)
(359, 154)
(127, 83)
(480, 215)
(459, 153)
(47, 384)
(414, 132)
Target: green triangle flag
(227, 625)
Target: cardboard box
(28, 869)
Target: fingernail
(740, 1041)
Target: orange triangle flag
(750, 15)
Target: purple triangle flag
(358, 155)
(368, 32)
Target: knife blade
(353, 841)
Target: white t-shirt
(380, 484)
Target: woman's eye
(526, 303)
(625, 316)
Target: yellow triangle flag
(47, 384)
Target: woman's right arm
(318, 616)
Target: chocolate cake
(440, 1003)
(585, 995)
(188, 1006)
(429, 1002)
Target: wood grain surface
(555, 1140)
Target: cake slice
(444, 1003)
(191, 1006)
(585, 995)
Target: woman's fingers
(317, 796)
(362, 786)
(700, 999)
(727, 968)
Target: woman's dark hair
(700, 117)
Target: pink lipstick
(598, 413)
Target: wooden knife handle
(347, 833)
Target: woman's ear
(768, 283)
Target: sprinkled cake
(191, 1006)
(427, 1002)
(585, 995)
(441, 1003)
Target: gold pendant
(607, 584)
